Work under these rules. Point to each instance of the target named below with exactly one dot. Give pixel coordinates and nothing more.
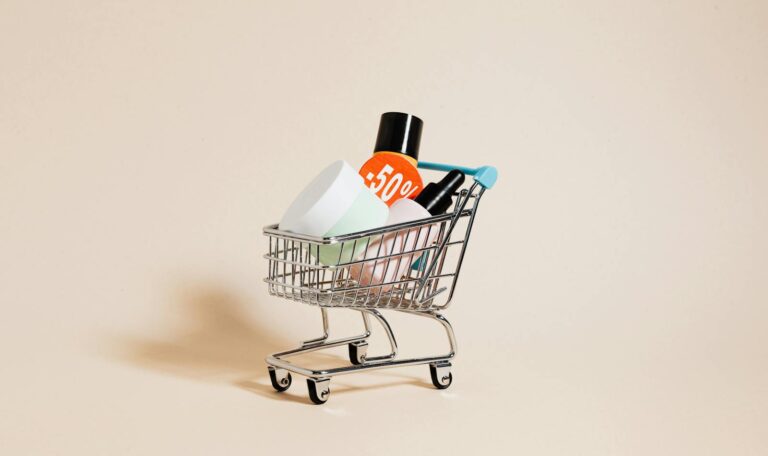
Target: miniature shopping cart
(427, 287)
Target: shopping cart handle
(485, 175)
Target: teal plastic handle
(485, 175)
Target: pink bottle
(435, 199)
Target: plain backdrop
(613, 301)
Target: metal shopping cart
(426, 288)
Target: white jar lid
(324, 201)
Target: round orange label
(391, 176)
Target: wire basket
(415, 264)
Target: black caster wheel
(357, 352)
(319, 390)
(441, 375)
(280, 384)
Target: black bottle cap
(399, 132)
(436, 197)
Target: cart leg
(446, 325)
(319, 341)
(360, 348)
(358, 351)
(326, 333)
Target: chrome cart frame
(433, 247)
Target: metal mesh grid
(409, 266)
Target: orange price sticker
(391, 177)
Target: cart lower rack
(433, 247)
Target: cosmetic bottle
(435, 199)
(391, 173)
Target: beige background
(613, 300)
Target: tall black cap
(399, 132)
(436, 197)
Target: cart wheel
(281, 383)
(441, 375)
(319, 390)
(357, 352)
